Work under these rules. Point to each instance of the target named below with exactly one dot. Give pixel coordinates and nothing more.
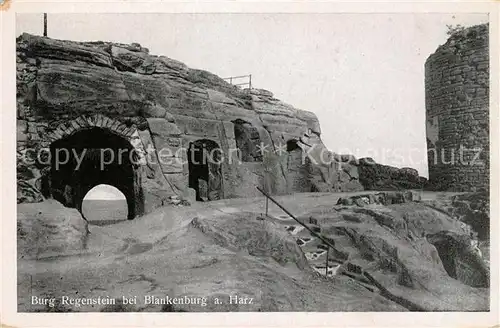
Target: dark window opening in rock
(104, 204)
(292, 145)
(204, 159)
(447, 255)
(92, 157)
(247, 141)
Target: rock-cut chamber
(91, 157)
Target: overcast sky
(104, 192)
(362, 74)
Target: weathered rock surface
(216, 255)
(461, 258)
(49, 229)
(396, 257)
(162, 107)
(381, 198)
(473, 209)
(413, 254)
(470, 208)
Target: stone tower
(457, 110)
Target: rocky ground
(389, 255)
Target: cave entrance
(298, 179)
(204, 158)
(447, 254)
(460, 260)
(91, 157)
(104, 204)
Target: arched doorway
(297, 170)
(104, 204)
(90, 157)
(205, 177)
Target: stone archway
(205, 177)
(96, 150)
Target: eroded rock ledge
(403, 247)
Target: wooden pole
(326, 242)
(267, 205)
(326, 265)
(45, 24)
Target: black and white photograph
(253, 162)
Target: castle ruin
(457, 108)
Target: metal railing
(236, 80)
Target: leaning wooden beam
(297, 220)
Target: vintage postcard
(331, 164)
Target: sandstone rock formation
(207, 257)
(461, 259)
(393, 250)
(100, 95)
(470, 208)
(49, 229)
(395, 257)
(381, 198)
(473, 210)
(413, 254)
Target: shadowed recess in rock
(204, 169)
(91, 157)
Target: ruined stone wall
(457, 108)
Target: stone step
(303, 241)
(295, 229)
(333, 270)
(316, 255)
